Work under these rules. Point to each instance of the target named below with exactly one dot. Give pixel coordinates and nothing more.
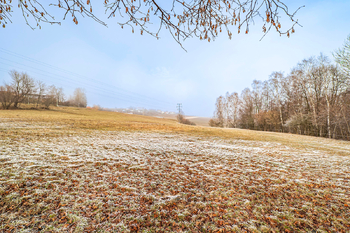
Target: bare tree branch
(204, 19)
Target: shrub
(183, 120)
(215, 123)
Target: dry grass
(76, 119)
(201, 121)
(80, 170)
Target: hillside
(75, 120)
(82, 170)
(200, 121)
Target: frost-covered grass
(55, 177)
(68, 120)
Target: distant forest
(313, 99)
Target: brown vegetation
(83, 170)
(181, 119)
(24, 89)
(313, 99)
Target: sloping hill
(80, 170)
(200, 121)
(80, 119)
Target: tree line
(24, 89)
(313, 99)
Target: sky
(120, 69)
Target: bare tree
(312, 82)
(219, 119)
(344, 119)
(60, 95)
(342, 57)
(336, 82)
(257, 92)
(22, 86)
(314, 99)
(41, 88)
(266, 96)
(6, 96)
(50, 96)
(247, 109)
(183, 19)
(233, 104)
(294, 103)
(79, 98)
(276, 80)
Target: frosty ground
(117, 181)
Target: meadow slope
(81, 170)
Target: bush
(183, 120)
(216, 123)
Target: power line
(79, 76)
(129, 100)
(94, 86)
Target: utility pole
(179, 107)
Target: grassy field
(65, 120)
(200, 121)
(82, 170)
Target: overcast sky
(120, 69)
